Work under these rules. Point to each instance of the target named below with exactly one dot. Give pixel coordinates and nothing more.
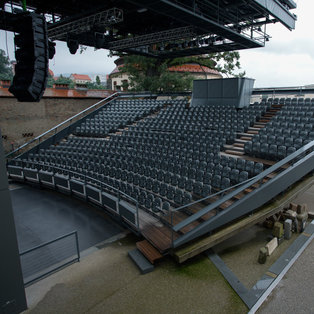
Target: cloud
(90, 61)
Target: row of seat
(172, 155)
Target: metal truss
(85, 24)
(163, 36)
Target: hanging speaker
(32, 57)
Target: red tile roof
(81, 77)
(117, 69)
(192, 68)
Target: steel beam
(188, 17)
(277, 10)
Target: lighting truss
(163, 36)
(85, 24)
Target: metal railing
(46, 258)
(297, 158)
(68, 122)
(104, 187)
(38, 139)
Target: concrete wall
(18, 118)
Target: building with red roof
(80, 78)
(120, 79)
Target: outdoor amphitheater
(174, 190)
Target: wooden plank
(148, 251)
(160, 237)
(177, 217)
(232, 152)
(238, 145)
(206, 242)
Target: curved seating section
(117, 115)
(166, 160)
(291, 128)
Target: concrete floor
(42, 215)
(106, 281)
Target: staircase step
(148, 251)
(238, 144)
(232, 147)
(246, 138)
(140, 261)
(240, 141)
(233, 152)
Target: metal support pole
(77, 246)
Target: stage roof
(159, 28)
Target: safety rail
(300, 163)
(54, 130)
(90, 181)
(46, 258)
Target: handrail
(60, 124)
(254, 180)
(85, 177)
(47, 243)
(211, 195)
(123, 94)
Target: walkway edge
(273, 285)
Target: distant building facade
(80, 78)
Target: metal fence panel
(48, 257)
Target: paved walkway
(295, 292)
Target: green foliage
(92, 85)
(98, 82)
(125, 85)
(64, 80)
(5, 67)
(50, 80)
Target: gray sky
(286, 60)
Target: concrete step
(140, 261)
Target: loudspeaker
(32, 58)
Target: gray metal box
(228, 91)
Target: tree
(92, 85)
(6, 72)
(64, 80)
(50, 80)
(152, 74)
(98, 80)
